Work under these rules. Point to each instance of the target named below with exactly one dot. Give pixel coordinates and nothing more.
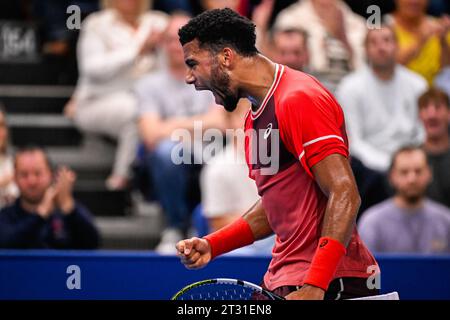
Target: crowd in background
(392, 81)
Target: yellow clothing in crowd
(428, 62)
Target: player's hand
(307, 292)
(194, 253)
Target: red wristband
(326, 259)
(233, 236)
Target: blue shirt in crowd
(20, 229)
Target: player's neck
(256, 79)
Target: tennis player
(311, 200)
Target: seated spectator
(290, 47)
(434, 111)
(220, 4)
(8, 189)
(46, 214)
(170, 6)
(408, 222)
(261, 15)
(380, 103)
(424, 41)
(52, 15)
(442, 80)
(116, 48)
(336, 35)
(223, 199)
(285, 46)
(167, 104)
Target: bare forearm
(257, 219)
(340, 214)
(222, 221)
(335, 178)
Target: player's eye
(191, 64)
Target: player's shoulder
(301, 91)
(296, 85)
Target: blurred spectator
(290, 47)
(442, 80)
(408, 222)
(360, 6)
(285, 46)
(53, 17)
(223, 199)
(46, 214)
(424, 41)
(261, 15)
(220, 4)
(8, 189)
(434, 111)
(167, 104)
(336, 35)
(380, 103)
(116, 48)
(170, 6)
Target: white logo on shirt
(268, 131)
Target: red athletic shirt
(298, 124)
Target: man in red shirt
(297, 152)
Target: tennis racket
(224, 289)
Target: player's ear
(227, 57)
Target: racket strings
(218, 292)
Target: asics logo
(268, 131)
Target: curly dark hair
(219, 28)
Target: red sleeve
(312, 128)
(248, 126)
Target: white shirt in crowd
(9, 191)
(108, 52)
(328, 56)
(227, 188)
(381, 116)
(225, 184)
